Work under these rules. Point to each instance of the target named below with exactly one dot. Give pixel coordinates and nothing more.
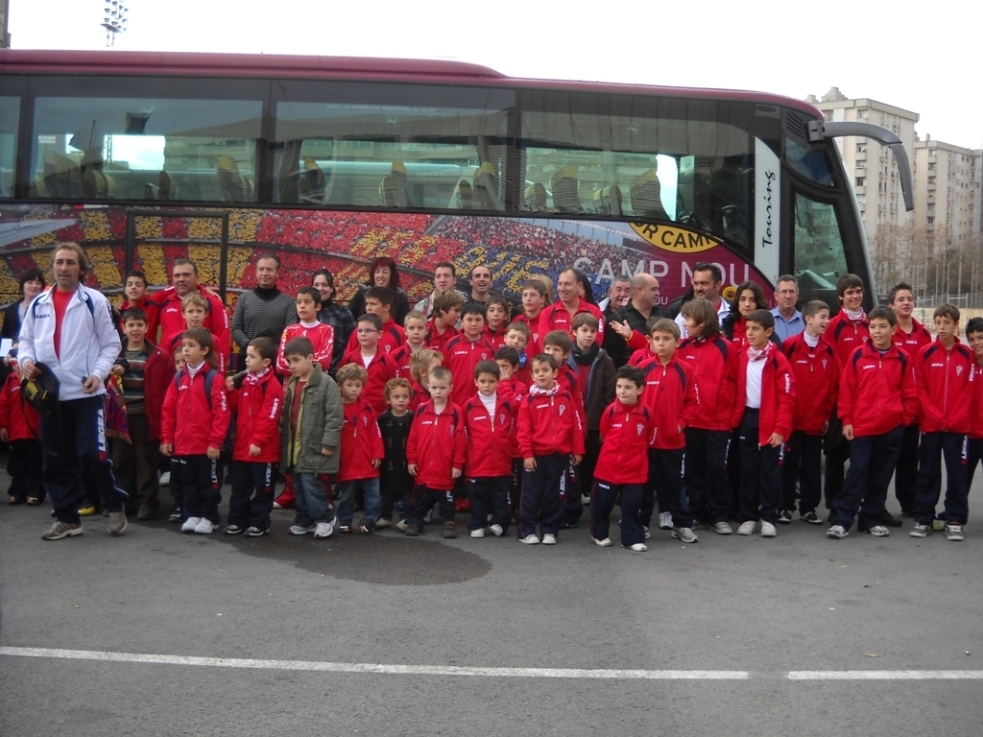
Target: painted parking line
(478, 672)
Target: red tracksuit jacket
(391, 338)
(943, 378)
(816, 373)
(495, 338)
(172, 322)
(419, 396)
(549, 422)
(436, 445)
(361, 442)
(534, 345)
(877, 393)
(670, 395)
(203, 424)
(626, 434)
(381, 369)
(846, 336)
(556, 317)
(439, 341)
(257, 406)
(489, 438)
(777, 395)
(714, 363)
(402, 357)
(158, 374)
(461, 356)
(20, 418)
(321, 336)
(976, 403)
(912, 342)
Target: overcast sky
(923, 58)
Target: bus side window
(566, 197)
(535, 197)
(646, 196)
(461, 197)
(393, 188)
(486, 187)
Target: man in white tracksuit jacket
(70, 329)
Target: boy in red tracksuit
(197, 392)
(517, 336)
(20, 427)
(974, 336)
(464, 352)
(714, 362)
(369, 354)
(362, 452)
(877, 400)
(943, 369)
(256, 400)
(496, 321)
(415, 327)
(489, 419)
(626, 428)
(816, 374)
(764, 383)
(551, 437)
(308, 326)
(435, 454)
(510, 386)
(442, 327)
(670, 395)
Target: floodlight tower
(115, 20)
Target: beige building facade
(947, 189)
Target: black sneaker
(889, 520)
(175, 515)
(811, 517)
(412, 530)
(256, 532)
(365, 526)
(233, 530)
(784, 517)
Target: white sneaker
(585, 500)
(665, 521)
(276, 505)
(879, 531)
(605, 543)
(480, 532)
(722, 528)
(638, 547)
(205, 526)
(747, 528)
(301, 530)
(647, 533)
(768, 529)
(496, 530)
(428, 517)
(323, 530)
(190, 524)
(837, 532)
(165, 479)
(381, 524)
(549, 539)
(685, 534)
(402, 525)
(954, 533)
(529, 539)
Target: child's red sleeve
(168, 415)
(909, 394)
(524, 434)
(847, 396)
(637, 341)
(691, 403)
(282, 367)
(220, 414)
(460, 442)
(325, 351)
(579, 434)
(5, 396)
(413, 441)
(785, 386)
(378, 447)
(266, 426)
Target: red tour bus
(331, 162)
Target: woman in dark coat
(382, 273)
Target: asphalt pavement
(159, 633)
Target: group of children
(522, 425)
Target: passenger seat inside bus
(535, 196)
(311, 183)
(233, 186)
(607, 201)
(461, 198)
(61, 177)
(565, 195)
(646, 196)
(393, 188)
(165, 189)
(486, 188)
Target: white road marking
(481, 672)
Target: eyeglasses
(366, 331)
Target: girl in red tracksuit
(489, 418)
(256, 404)
(435, 454)
(362, 452)
(816, 373)
(764, 415)
(626, 427)
(197, 395)
(20, 427)
(877, 400)
(713, 361)
(550, 432)
(670, 394)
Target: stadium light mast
(114, 21)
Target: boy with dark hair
(256, 400)
(466, 350)
(395, 482)
(765, 388)
(534, 300)
(146, 372)
(135, 290)
(435, 455)
(670, 395)
(627, 428)
(442, 327)
(507, 359)
(310, 436)
(379, 302)
(816, 373)
(877, 399)
(943, 369)
(974, 336)
(362, 452)
(368, 353)
(489, 419)
(910, 337)
(518, 336)
(308, 326)
(496, 320)
(550, 436)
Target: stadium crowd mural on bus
(346, 241)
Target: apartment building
(947, 189)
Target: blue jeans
(311, 503)
(346, 499)
(954, 448)
(872, 462)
